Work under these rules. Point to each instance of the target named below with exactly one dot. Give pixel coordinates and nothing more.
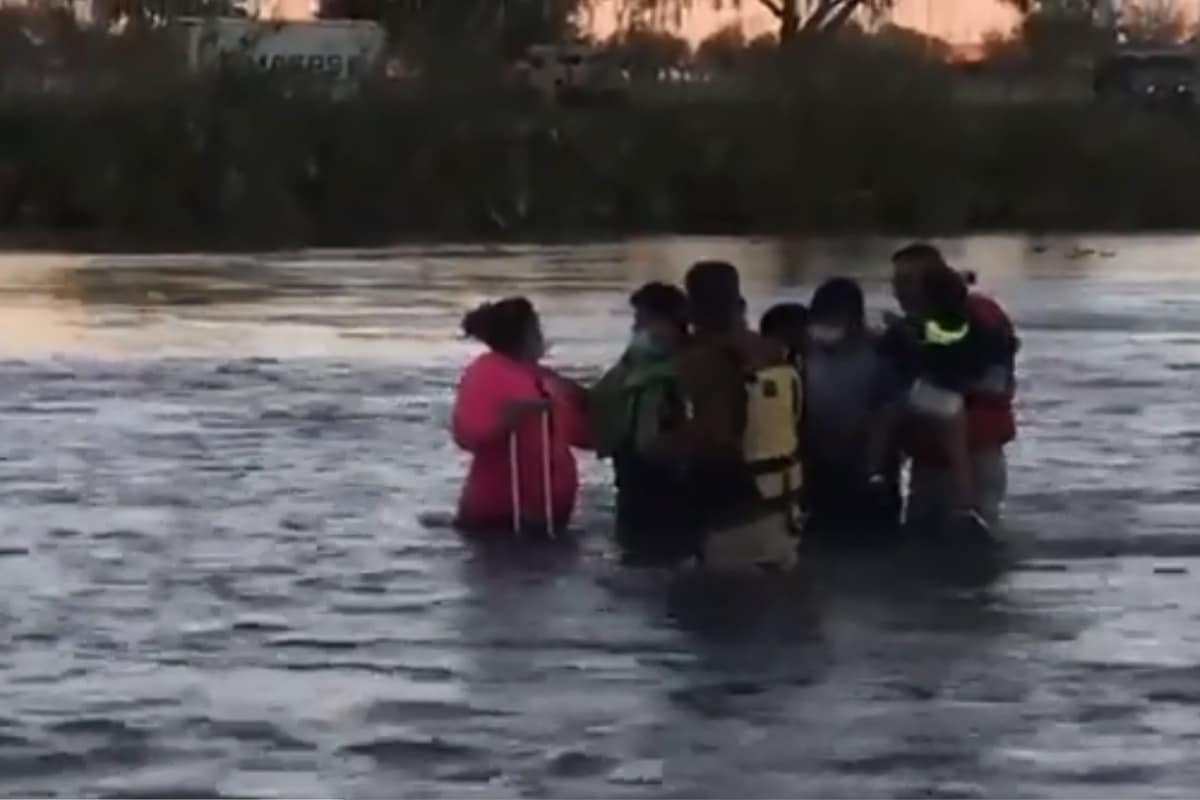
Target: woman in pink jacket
(507, 402)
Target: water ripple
(215, 579)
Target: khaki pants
(931, 491)
(765, 542)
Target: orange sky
(960, 22)
(957, 21)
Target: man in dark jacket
(988, 402)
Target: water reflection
(364, 293)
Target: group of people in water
(731, 446)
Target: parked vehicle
(342, 50)
(1158, 78)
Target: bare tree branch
(793, 16)
(816, 20)
(843, 14)
(775, 8)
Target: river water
(214, 579)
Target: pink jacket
(486, 502)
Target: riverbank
(217, 166)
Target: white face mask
(826, 334)
(644, 343)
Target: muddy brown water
(214, 581)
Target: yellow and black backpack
(771, 436)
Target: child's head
(785, 323)
(837, 311)
(660, 314)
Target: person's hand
(514, 412)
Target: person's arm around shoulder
(900, 345)
(570, 405)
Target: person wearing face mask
(633, 406)
(508, 409)
(851, 473)
(936, 485)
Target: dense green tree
(1055, 33)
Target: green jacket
(626, 404)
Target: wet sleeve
(606, 410)
(476, 420)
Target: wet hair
(662, 300)
(714, 292)
(839, 298)
(781, 318)
(921, 253)
(945, 292)
(503, 326)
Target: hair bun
(476, 323)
